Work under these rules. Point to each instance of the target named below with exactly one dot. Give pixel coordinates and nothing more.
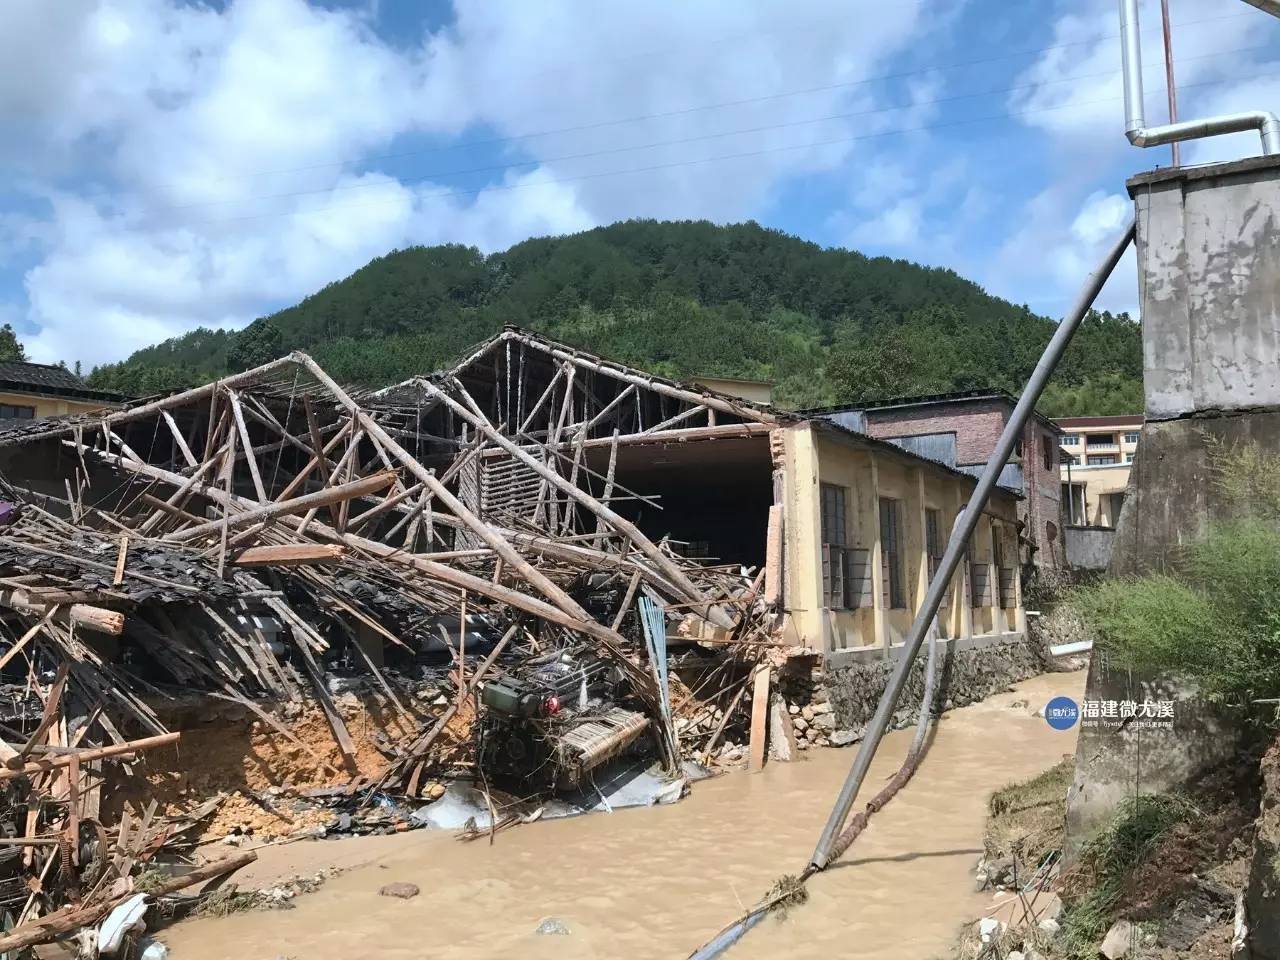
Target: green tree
(10, 347)
(679, 298)
(256, 344)
(872, 368)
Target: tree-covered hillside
(679, 299)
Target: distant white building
(1097, 455)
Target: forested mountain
(678, 299)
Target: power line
(683, 111)
(703, 160)
(612, 151)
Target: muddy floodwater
(657, 882)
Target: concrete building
(867, 525)
(1208, 248)
(31, 391)
(1097, 456)
(960, 430)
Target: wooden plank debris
(759, 718)
(272, 530)
(288, 554)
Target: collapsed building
(530, 565)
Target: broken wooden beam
(84, 756)
(86, 616)
(55, 925)
(759, 718)
(321, 498)
(288, 555)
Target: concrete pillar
(802, 535)
(993, 578)
(1208, 256)
(881, 634)
(962, 590)
(1208, 252)
(1209, 286)
(919, 546)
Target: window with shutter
(1004, 584)
(833, 514)
(933, 539)
(858, 580)
(980, 584)
(891, 554)
(836, 593)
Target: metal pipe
(1135, 123)
(960, 535)
(1171, 88)
(728, 937)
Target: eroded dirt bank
(656, 882)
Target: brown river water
(659, 881)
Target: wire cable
(660, 115)
(699, 138)
(650, 168)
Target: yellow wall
(757, 391)
(51, 406)
(813, 458)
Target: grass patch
(1028, 820)
(1094, 891)
(227, 900)
(1217, 619)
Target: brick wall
(1041, 508)
(977, 425)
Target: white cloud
(925, 211)
(1074, 91)
(1101, 218)
(897, 226)
(1061, 241)
(202, 165)
(1072, 98)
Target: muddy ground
(659, 881)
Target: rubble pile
(358, 597)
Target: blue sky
(166, 165)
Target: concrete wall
(1112, 763)
(1171, 496)
(867, 474)
(1089, 548)
(1209, 279)
(1209, 285)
